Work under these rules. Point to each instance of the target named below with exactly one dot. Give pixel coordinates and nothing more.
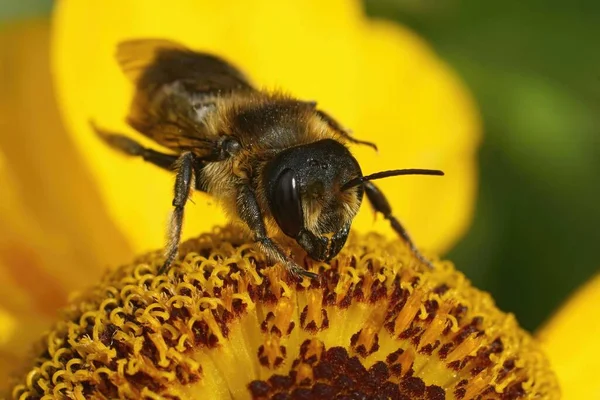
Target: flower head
(224, 323)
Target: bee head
(307, 199)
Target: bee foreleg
(380, 204)
(249, 212)
(183, 188)
(132, 148)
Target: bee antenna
(386, 174)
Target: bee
(278, 164)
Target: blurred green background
(534, 69)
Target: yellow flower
(225, 324)
(571, 341)
(70, 207)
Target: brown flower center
(224, 323)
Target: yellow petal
(572, 342)
(377, 79)
(421, 116)
(51, 216)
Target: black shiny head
(306, 197)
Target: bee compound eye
(286, 204)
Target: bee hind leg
(184, 180)
(250, 213)
(347, 134)
(130, 147)
(380, 204)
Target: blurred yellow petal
(379, 80)
(421, 116)
(572, 342)
(7, 327)
(51, 216)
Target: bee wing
(176, 90)
(160, 61)
(135, 56)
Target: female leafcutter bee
(277, 164)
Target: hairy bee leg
(273, 251)
(132, 148)
(249, 212)
(380, 204)
(183, 187)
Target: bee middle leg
(380, 204)
(185, 178)
(249, 212)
